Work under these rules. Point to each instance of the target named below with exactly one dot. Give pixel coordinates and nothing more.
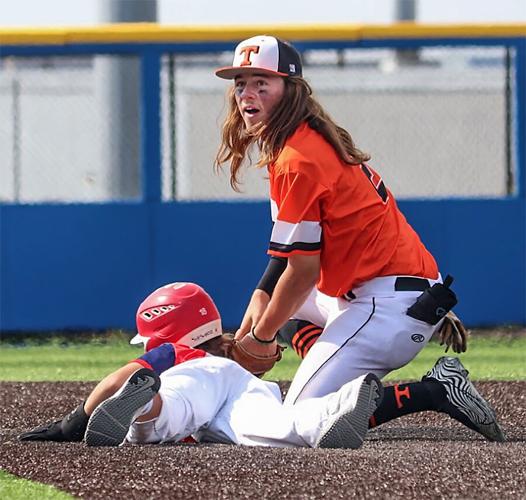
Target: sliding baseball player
(185, 384)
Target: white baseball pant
(369, 334)
(214, 399)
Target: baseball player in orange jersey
(363, 292)
(185, 385)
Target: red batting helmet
(181, 313)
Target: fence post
(151, 126)
(520, 113)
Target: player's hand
(250, 344)
(256, 357)
(452, 333)
(257, 306)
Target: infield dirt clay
(419, 456)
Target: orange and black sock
(300, 335)
(403, 399)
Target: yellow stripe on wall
(156, 33)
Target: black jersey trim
(299, 245)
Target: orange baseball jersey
(322, 205)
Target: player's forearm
(292, 289)
(275, 268)
(109, 386)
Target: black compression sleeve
(275, 268)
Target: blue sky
(87, 12)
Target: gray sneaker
(465, 402)
(349, 425)
(110, 421)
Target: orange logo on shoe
(399, 393)
(247, 52)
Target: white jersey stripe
(273, 210)
(286, 233)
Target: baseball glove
(453, 333)
(258, 365)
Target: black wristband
(261, 341)
(275, 268)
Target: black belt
(411, 284)
(402, 284)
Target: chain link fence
(70, 129)
(436, 121)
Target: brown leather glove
(254, 363)
(453, 333)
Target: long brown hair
(297, 106)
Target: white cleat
(349, 425)
(110, 421)
(475, 411)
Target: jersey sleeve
(167, 355)
(296, 206)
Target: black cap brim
(230, 72)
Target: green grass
(50, 362)
(487, 358)
(15, 488)
(54, 359)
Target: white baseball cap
(263, 54)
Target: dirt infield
(419, 456)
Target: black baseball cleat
(348, 425)
(465, 403)
(110, 421)
(47, 432)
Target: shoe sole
(464, 396)
(349, 429)
(110, 421)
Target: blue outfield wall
(88, 266)
(72, 266)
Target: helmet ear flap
(179, 313)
